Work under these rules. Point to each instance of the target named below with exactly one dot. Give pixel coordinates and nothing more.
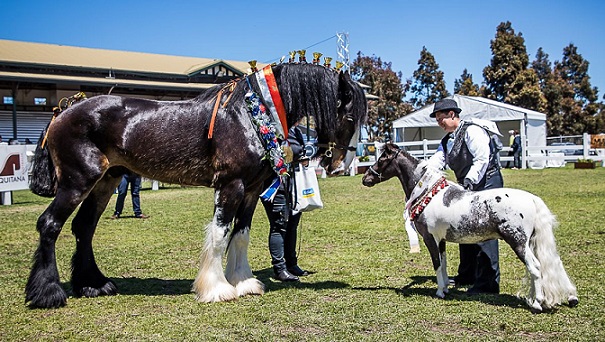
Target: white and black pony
(210, 140)
(448, 212)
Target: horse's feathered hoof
(53, 296)
(108, 289)
(250, 286)
(573, 301)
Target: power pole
(343, 49)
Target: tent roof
(476, 107)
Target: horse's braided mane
(306, 89)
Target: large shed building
(34, 77)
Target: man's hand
(467, 184)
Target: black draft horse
(91, 144)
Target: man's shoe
(115, 216)
(284, 275)
(142, 216)
(297, 271)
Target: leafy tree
(509, 59)
(578, 104)
(525, 91)
(428, 84)
(465, 85)
(387, 85)
(554, 90)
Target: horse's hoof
(222, 292)
(250, 286)
(53, 296)
(535, 308)
(109, 289)
(573, 301)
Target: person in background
(135, 187)
(516, 146)
(283, 222)
(511, 139)
(467, 149)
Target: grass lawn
(366, 286)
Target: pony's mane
(421, 165)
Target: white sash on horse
(428, 180)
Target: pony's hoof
(53, 296)
(535, 308)
(573, 301)
(535, 311)
(250, 286)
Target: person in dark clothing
(516, 146)
(135, 187)
(469, 150)
(283, 222)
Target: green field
(367, 287)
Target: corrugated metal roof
(20, 76)
(62, 55)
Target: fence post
(6, 198)
(585, 145)
(425, 148)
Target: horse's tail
(556, 285)
(43, 181)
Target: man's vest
(460, 159)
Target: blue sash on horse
(270, 192)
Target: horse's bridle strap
(379, 175)
(332, 145)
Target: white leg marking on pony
(238, 271)
(442, 279)
(210, 285)
(446, 280)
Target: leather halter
(390, 160)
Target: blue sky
(457, 33)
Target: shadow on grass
(163, 287)
(417, 287)
(153, 286)
(265, 275)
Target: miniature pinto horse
(210, 140)
(448, 212)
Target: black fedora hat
(445, 104)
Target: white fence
(535, 157)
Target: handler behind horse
(469, 151)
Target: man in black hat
(469, 150)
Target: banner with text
(13, 167)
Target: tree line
(560, 89)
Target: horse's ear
(345, 89)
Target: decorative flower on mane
(267, 130)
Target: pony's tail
(43, 181)
(556, 285)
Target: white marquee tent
(531, 125)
